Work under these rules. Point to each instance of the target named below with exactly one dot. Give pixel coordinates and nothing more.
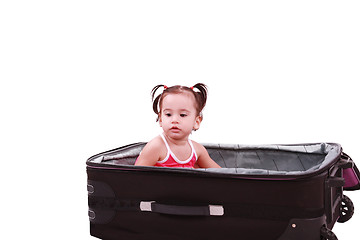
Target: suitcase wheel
(327, 234)
(346, 209)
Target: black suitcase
(272, 192)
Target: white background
(76, 79)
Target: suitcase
(272, 192)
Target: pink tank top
(172, 161)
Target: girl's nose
(175, 119)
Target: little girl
(179, 113)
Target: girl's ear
(197, 123)
(159, 119)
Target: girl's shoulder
(153, 151)
(204, 160)
(155, 144)
(199, 148)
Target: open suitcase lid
(246, 161)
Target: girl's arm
(204, 160)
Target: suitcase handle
(345, 162)
(209, 210)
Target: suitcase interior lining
(243, 159)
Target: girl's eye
(168, 114)
(183, 115)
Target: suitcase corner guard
(299, 229)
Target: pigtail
(201, 96)
(157, 99)
(153, 91)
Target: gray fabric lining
(245, 159)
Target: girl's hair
(200, 96)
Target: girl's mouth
(175, 129)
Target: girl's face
(178, 115)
